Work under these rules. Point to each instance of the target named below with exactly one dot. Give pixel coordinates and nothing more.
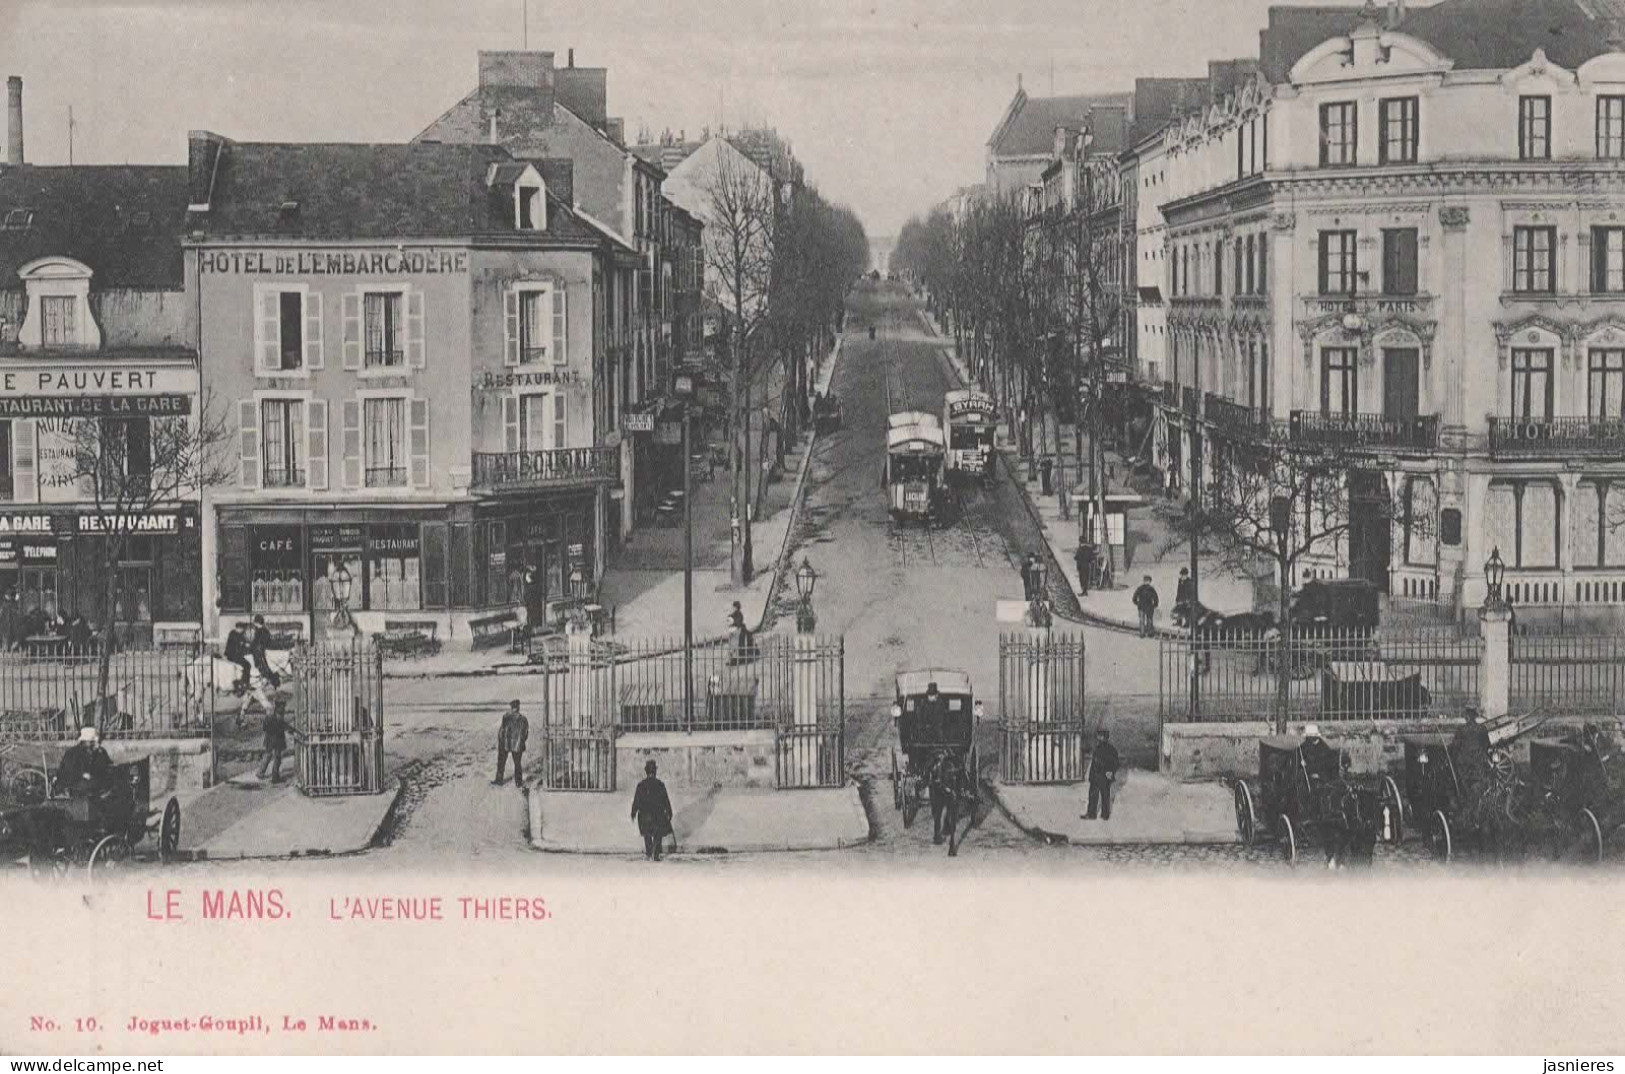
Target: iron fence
(1567, 674)
(776, 681)
(151, 693)
(1042, 708)
(1330, 675)
(577, 759)
(338, 720)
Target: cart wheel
(896, 783)
(113, 852)
(28, 787)
(1590, 837)
(169, 832)
(1396, 809)
(50, 865)
(911, 802)
(1440, 843)
(1289, 840)
(1246, 815)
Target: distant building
(1022, 144)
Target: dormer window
(59, 321)
(530, 210)
(58, 312)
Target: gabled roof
(1028, 128)
(123, 221)
(1158, 100)
(371, 191)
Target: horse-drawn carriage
(1304, 792)
(1582, 792)
(1463, 789)
(826, 414)
(936, 716)
(52, 832)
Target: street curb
(1058, 839)
(796, 500)
(1084, 617)
(373, 841)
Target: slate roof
(94, 214)
(1158, 100)
(415, 190)
(1476, 34)
(1031, 131)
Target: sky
(888, 103)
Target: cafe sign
(638, 423)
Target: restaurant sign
(94, 406)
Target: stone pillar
(805, 680)
(1450, 345)
(586, 696)
(1495, 659)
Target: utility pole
(71, 125)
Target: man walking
(276, 744)
(511, 738)
(237, 653)
(651, 808)
(1184, 613)
(1102, 774)
(1145, 599)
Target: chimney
(495, 112)
(1396, 14)
(203, 152)
(571, 54)
(14, 120)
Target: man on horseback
(261, 644)
(237, 653)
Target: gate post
(1494, 660)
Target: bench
(730, 701)
(490, 631)
(643, 708)
(185, 636)
(409, 637)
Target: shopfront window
(277, 578)
(496, 561)
(333, 547)
(393, 569)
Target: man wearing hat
(511, 738)
(85, 769)
(651, 808)
(1102, 774)
(259, 647)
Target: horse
(206, 671)
(951, 785)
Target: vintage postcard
(730, 525)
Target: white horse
(207, 671)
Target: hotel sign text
(391, 262)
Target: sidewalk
(1148, 549)
(247, 818)
(645, 583)
(706, 820)
(1147, 808)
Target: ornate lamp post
(1495, 656)
(1495, 572)
(806, 580)
(342, 584)
(682, 386)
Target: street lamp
(1495, 572)
(806, 580)
(682, 386)
(341, 584)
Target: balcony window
(1534, 128)
(59, 316)
(1338, 262)
(1605, 397)
(1611, 128)
(1397, 118)
(384, 429)
(1534, 260)
(1339, 134)
(1531, 384)
(282, 422)
(1339, 381)
(1599, 523)
(1608, 260)
(1399, 261)
(534, 325)
(382, 313)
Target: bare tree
(130, 469)
(1277, 500)
(739, 232)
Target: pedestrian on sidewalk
(511, 738)
(1084, 557)
(651, 808)
(1102, 774)
(1184, 592)
(276, 744)
(1145, 599)
(1029, 576)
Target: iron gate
(338, 719)
(1041, 708)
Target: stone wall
(703, 759)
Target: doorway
(1370, 533)
(1400, 389)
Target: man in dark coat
(86, 769)
(651, 808)
(511, 738)
(260, 646)
(237, 653)
(1102, 774)
(1145, 600)
(276, 744)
